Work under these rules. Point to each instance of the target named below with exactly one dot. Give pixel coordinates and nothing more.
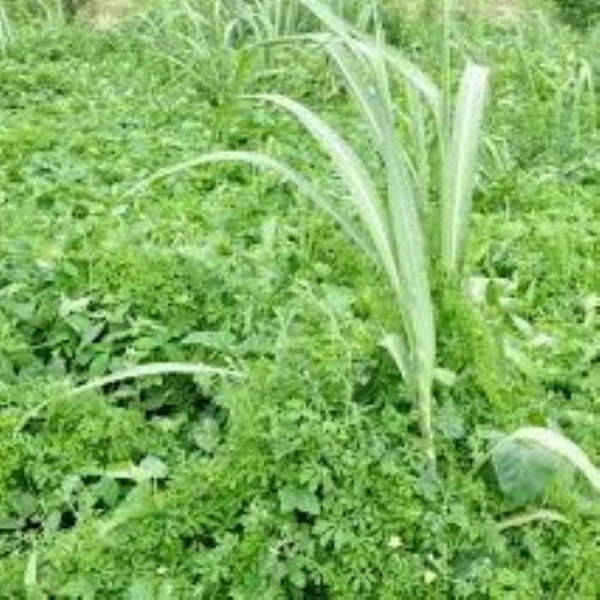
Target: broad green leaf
(523, 471)
(525, 461)
(560, 445)
(445, 377)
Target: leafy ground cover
(304, 478)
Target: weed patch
(296, 469)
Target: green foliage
(392, 227)
(523, 471)
(302, 480)
(579, 13)
(488, 379)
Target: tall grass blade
(6, 32)
(393, 224)
(156, 369)
(460, 165)
(522, 519)
(397, 349)
(354, 176)
(402, 210)
(347, 32)
(289, 174)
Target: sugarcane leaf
(156, 369)
(461, 164)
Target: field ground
(304, 477)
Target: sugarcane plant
(410, 212)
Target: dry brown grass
(499, 11)
(503, 9)
(106, 14)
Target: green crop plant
(207, 39)
(267, 19)
(410, 211)
(427, 188)
(576, 101)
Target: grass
(304, 478)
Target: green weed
(303, 478)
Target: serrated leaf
(300, 499)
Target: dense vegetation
(296, 469)
(579, 13)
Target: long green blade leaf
(461, 164)
(367, 79)
(396, 347)
(266, 162)
(354, 176)
(345, 30)
(402, 207)
(522, 519)
(156, 369)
